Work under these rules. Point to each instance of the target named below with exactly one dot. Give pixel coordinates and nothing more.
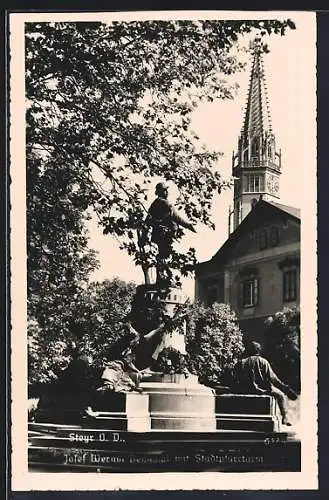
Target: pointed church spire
(257, 119)
(257, 164)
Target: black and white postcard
(163, 250)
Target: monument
(146, 412)
(176, 400)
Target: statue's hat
(161, 186)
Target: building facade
(257, 270)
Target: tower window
(289, 285)
(255, 148)
(254, 183)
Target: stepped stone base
(179, 403)
(168, 403)
(87, 448)
(247, 412)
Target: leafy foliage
(282, 345)
(59, 263)
(92, 327)
(109, 107)
(108, 305)
(214, 342)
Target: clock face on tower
(276, 187)
(272, 185)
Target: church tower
(257, 164)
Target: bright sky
(290, 76)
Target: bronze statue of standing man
(164, 221)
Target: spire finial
(255, 45)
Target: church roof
(262, 209)
(295, 212)
(257, 118)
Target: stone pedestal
(179, 403)
(176, 337)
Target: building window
(254, 183)
(263, 243)
(274, 236)
(250, 288)
(289, 285)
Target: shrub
(92, 330)
(282, 345)
(213, 342)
